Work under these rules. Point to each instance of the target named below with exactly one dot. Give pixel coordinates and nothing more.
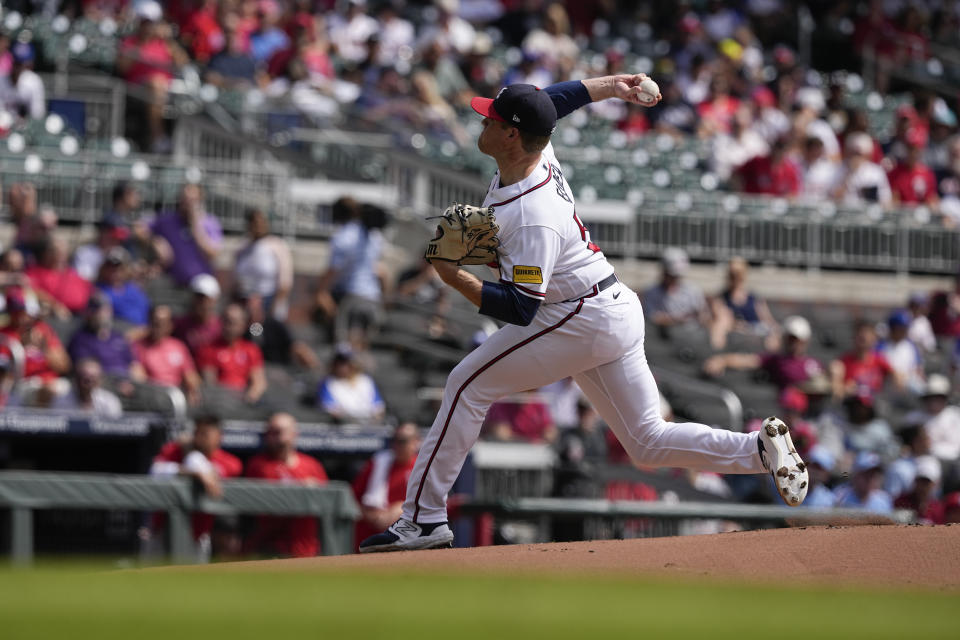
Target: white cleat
(781, 459)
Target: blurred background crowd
(765, 92)
(157, 306)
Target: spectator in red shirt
(775, 174)
(247, 21)
(45, 359)
(951, 507)
(149, 58)
(944, 311)
(201, 325)
(56, 282)
(203, 459)
(166, 361)
(911, 181)
(281, 462)
(864, 366)
(525, 418)
(232, 361)
(381, 486)
(202, 34)
(716, 113)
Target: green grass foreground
(71, 604)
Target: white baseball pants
(599, 341)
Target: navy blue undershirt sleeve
(503, 302)
(568, 96)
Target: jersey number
(584, 234)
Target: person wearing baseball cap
(864, 489)
(940, 418)
(791, 366)
(28, 96)
(820, 462)
(865, 181)
(551, 275)
(519, 121)
(922, 497)
(129, 300)
(201, 325)
(674, 301)
(902, 354)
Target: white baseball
(648, 91)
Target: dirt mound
(874, 555)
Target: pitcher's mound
(871, 555)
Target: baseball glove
(465, 235)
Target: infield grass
(76, 604)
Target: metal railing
(639, 519)
(79, 187)
(25, 492)
(710, 225)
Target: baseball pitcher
(566, 314)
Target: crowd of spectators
(89, 305)
(201, 457)
(730, 73)
(876, 410)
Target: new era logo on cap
(523, 105)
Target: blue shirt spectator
(129, 301)
(232, 65)
(354, 254)
(863, 491)
(266, 42)
(820, 463)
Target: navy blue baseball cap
(522, 105)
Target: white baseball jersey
(546, 252)
(580, 331)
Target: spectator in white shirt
(743, 143)
(865, 181)
(87, 394)
(397, 36)
(821, 175)
(553, 41)
(940, 419)
(264, 267)
(921, 331)
(22, 92)
(809, 106)
(349, 33)
(455, 32)
(349, 394)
